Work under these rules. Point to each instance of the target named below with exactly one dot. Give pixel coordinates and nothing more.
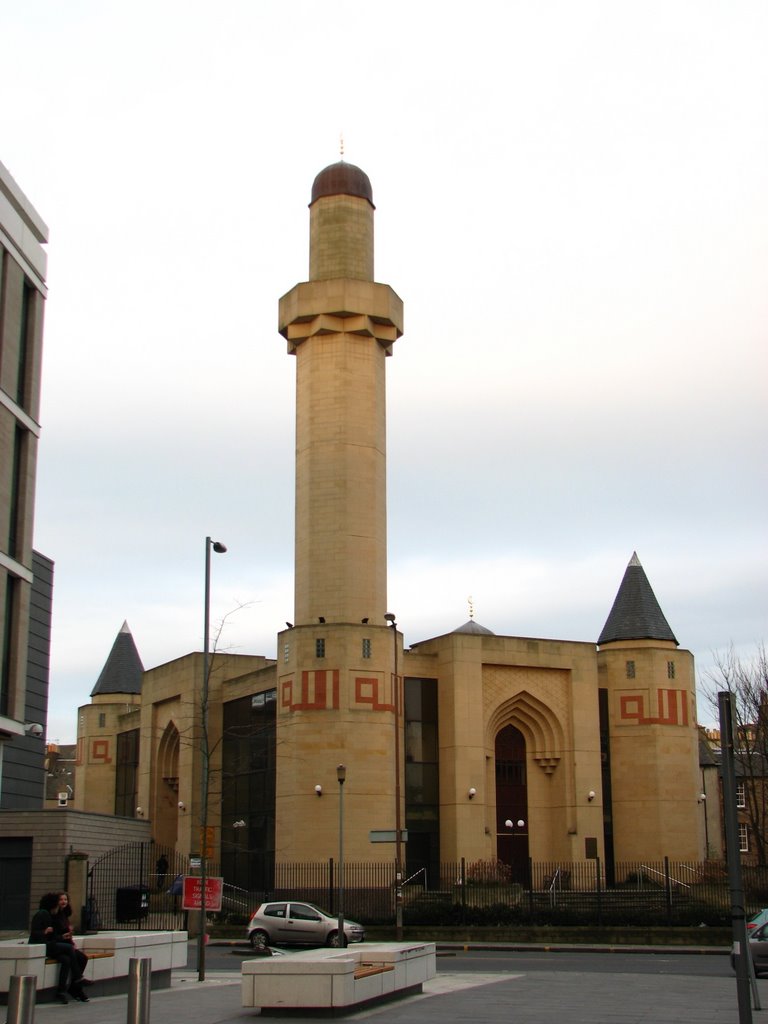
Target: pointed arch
(539, 725)
(166, 787)
(168, 756)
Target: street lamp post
(205, 751)
(341, 775)
(390, 617)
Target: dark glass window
(422, 789)
(22, 382)
(127, 773)
(319, 648)
(248, 790)
(8, 641)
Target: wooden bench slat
(367, 970)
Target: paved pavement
(514, 997)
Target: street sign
(191, 899)
(387, 835)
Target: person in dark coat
(62, 927)
(43, 930)
(162, 871)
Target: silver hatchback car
(758, 947)
(287, 922)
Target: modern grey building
(25, 577)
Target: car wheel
(333, 940)
(259, 939)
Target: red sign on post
(193, 887)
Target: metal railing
(458, 892)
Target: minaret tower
(336, 687)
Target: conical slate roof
(123, 669)
(636, 614)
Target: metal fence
(137, 886)
(488, 892)
(133, 887)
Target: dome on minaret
(342, 179)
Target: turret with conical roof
(648, 726)
(636, 614)
(103, 727)
(123, 670)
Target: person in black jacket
(43, 930)
(63, 931)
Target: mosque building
(467, 745)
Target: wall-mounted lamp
(33, 729)
(472, 793)
(182, 805)
(319, 790)
(140, 812)
(591, 795)
(702, 797)
(511, 824)
(239, 824)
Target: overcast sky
(571, 201)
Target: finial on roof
(341, 145)
(125, 627)
(634, 560)
(471, 607)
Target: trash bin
(131, 903)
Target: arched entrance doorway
(512, 802)
(167, 787)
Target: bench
(340, 980)
(109, 955)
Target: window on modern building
(23, 380)
(741, 794)
(743, 837)
(8, 641)
(286, 652)
(18, 472)
(102, 719)
(366, 648)
(630, 670)
(670, 670)
(320, 648)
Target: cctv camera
(34, 729)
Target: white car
(288, 922)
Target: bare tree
(747, 680)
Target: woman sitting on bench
(43, 930)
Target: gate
(137, 887)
